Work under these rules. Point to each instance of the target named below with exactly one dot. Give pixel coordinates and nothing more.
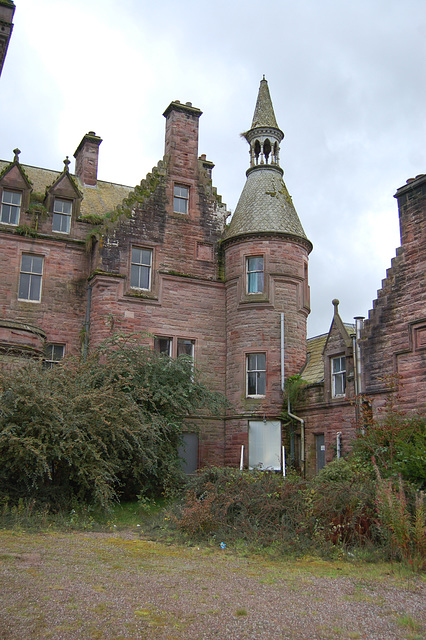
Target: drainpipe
(302, 422)
(87, 321)
(357, 365)
(339, 444)
(302, 437)
(282, 353)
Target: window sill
(141, 294)
(31, 301)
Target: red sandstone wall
(253, 321)
(61, 311)
(394, 336)
(186, 298)
(254, 325)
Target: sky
(347, 80)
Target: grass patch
(407, 621)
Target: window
(256, 374)
(163, 345)
(10, 207)
(265, 445)
(53, 353)
(30, 277)
(338, 376)
(180, 199)
(140, 275)
(255, 274)
(185, 347)
(62, 210)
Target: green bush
(335, 510)
(342, 504)
(396, 441)
(90, 431)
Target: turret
(265, 205)
(266, 274)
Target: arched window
(257, 151)
(266, 150)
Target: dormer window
(62, 211)
(180, 199)
(10, 207)
(338, 377)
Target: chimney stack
(182, 139)
(86, 159)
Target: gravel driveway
(118, 587)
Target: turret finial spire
(264, 136)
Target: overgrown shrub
(341, 503)
(251, 506)
(92, 430)
(396, 441)
(403, 530)
(335, 510)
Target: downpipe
(292, 415)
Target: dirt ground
(120, 587)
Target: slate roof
(96, 200)
(264, 115)
(265, 206)
(313, 371)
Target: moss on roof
(97, 200)
(264, 115)
(265, 206)
(313, 371)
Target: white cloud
(346, 79)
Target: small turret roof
(265, 206)
(264, 115)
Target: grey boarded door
(320, 444)
(188, 452)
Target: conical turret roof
(265, 206)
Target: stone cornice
(264, 235)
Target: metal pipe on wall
(282, 353)
(300, 420)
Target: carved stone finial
(335, 303)
(67, 162)
(16, 156)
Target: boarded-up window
(265, 445)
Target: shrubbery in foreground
(340, 508)
(90, 431)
